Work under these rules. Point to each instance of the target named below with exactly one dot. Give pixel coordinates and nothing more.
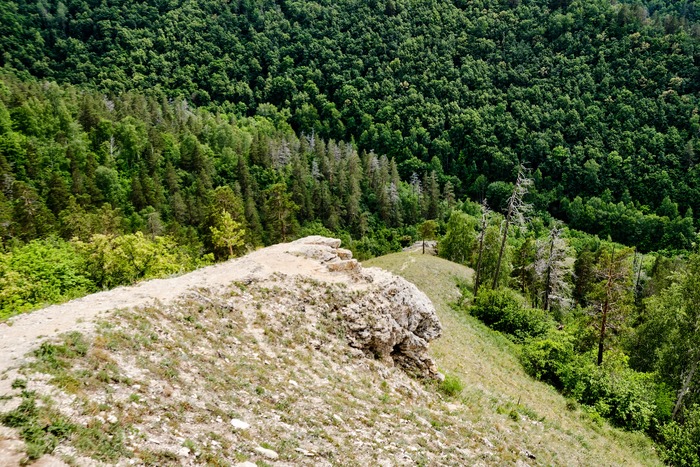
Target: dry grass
(160, 386)
(503, 404)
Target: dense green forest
(120, 183)
(146, 138)
(599, 99)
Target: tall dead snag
(615, 271)
(553, 266)
(517, 208)
(483, 224)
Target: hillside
(292, 355)
(501, 402)
(600, 96)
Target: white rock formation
(393, 321)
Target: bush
(451, 385)
(680, 444)
(550, 359)
(627, 398)
(504, 310)
(376, 243)
(112, 261)
(42, 271)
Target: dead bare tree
(517, 209)
(554, 266)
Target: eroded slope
(292, 355)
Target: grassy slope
(160, 386)
(505, 404)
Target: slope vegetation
(503, 404)
(293, 355)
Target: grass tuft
(451, 386)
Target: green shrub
(42, 271)
(112, 261)
(550, 359)
(680, 444)
(451, 385)
(375, 243)
(504, 310)
(627, 398)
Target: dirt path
(25, 332)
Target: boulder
(390, 319)
(394, 321)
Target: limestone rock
(392, 321)
(269, 453)
(344, 265)
(239, 424)
(395, 322)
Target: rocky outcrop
(394, 322)
(327, 251)
(391, 319)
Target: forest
(599, 99)
(549, 145)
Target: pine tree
(280, 213)
(228, 233)
(427, 231)
(613, 294)
(431, 197)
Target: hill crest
(175, 345)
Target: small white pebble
(239, 424)
(269, 453)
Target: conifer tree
(427, 231)
(432, 196)
(613, 294)
(280, 213)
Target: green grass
(511, 409)
(40, 426)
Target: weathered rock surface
(393, 321)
